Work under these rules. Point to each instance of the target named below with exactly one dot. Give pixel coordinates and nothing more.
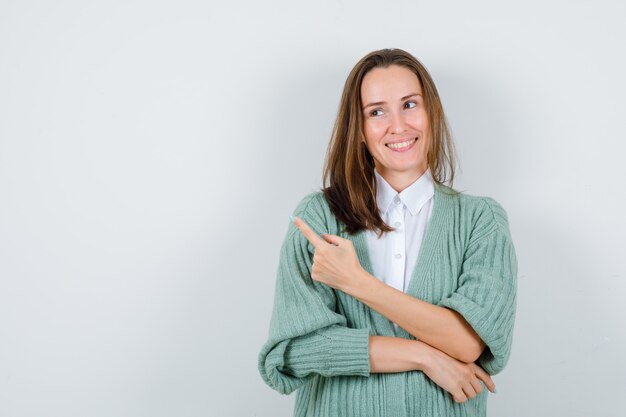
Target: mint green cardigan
(318, 336)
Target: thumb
(335, 240)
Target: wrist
(360, 284)
(422, 355)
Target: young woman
(395, 294)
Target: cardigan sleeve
(486, 295)
(307, 335)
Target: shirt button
(397, 224)
(398, 255)
(396, 200)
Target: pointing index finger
(308, 232)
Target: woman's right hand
(460, 379)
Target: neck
(401, 180)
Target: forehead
(393, 82)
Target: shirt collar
(413, 197)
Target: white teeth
(401, 144)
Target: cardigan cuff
(330, 351)
(495, 331)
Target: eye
(410, 104)
(376, 112)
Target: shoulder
(487, 207)
(313, 208)
(483, 215)
(311, 203)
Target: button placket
(397, 244)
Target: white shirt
(394, 255)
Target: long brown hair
(348, 177)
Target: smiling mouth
(402, 146)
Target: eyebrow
(378, 103)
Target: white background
(151, 153)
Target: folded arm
(479, 313)
(461, 380)
(439, 327)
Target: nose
(396, 123)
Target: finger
(459, 397)
(469, 391)
(485, 377)
(335, 240)
(476, 385)
(308, 232)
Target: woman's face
(395, 121)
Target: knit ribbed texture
(318, 337)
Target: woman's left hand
(335, 262)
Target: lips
(401, 146)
